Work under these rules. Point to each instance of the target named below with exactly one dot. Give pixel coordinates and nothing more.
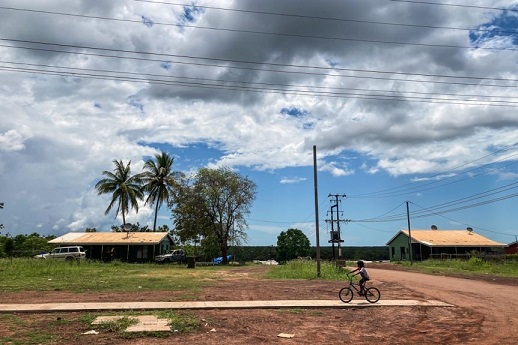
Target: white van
(67, 253)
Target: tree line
(32, 244)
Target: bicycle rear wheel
(346, 294)
(372, 294)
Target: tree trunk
(156, 208)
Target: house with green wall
(438, 244)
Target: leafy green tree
(159, 181)
(132, 228)
(9, 247)
(292, 244)
(90, 230)
(214, 206)
(188, 212)
(125, 189)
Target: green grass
(302, 269)
(473, 266)
(180, 321)
(52, 275)
(299, 269)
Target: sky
(405, 103)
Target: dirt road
(498, 304)
(484, 313)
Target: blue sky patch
(188, 157)
(308, 125)
(332, 63)
(293, 111)
(166, 66)
(190, 13)
(503, 25)
(147, 21)
(134, 102)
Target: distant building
(512, 248)
(124, 246)
(430, 244)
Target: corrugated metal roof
(77, 238)
(451, 238)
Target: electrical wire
(438, 209)
(451, 5)
(125, 73)
(467, 225)
(492, 30)
(395, 190)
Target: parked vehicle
(176, 255)
(66, 253)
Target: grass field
(506, 268)
(48, 275)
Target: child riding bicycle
(363, 273)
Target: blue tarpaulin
(219, 259)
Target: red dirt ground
(484, 312)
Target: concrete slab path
(95, 306)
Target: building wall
(398, 248)
(131, 252)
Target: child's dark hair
(360, 264)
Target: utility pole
(334, 237)
(409, 235)
(339, 240)
(316, 208)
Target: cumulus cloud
(289, 180)
(79, 91)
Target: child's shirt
(363, 273)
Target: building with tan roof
(124, 246)
(434, 243)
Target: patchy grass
(473, 266)
(55, 275)
(306, 269)
(117, 325)
(182, 322)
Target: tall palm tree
(159, 181)
(125, 189)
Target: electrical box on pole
(336, 237)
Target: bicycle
(371, 294)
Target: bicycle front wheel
(346, 294)
(372, 294)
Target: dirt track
(484, 313)
(498, 304)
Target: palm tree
(159, 181)
(126, 189)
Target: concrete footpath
(97, 306)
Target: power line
(437, 208)
(265, 90)
(385, 192)
(492, 30)
(252, 83)
(421, 189)
(348, 39)
(468, 225)
(451, 5)
(331, 69)
(283, 89)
